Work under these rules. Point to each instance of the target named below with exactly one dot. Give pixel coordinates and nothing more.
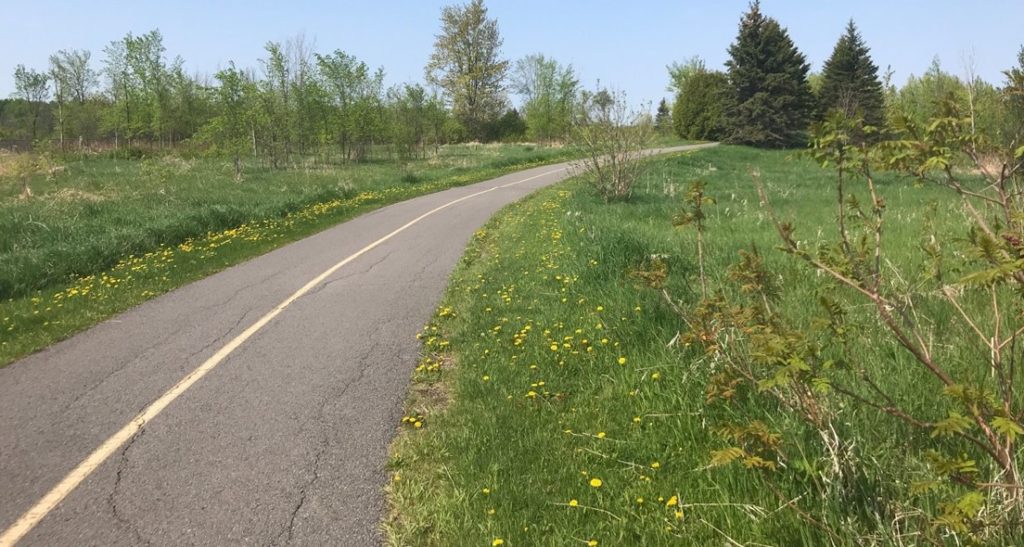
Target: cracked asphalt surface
(285, 441)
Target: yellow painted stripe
(44, 506)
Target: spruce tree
(663, 119)
(771, 101)
(850, 81)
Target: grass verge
(549, 408)
(106, 236)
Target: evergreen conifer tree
(663, 119)
(850, 81)
(771, 101)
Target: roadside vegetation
(569, 391)
(743, 346)
(556, 404)
(106, 162)
(105, 235)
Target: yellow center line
(27, 521)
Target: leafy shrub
(612, 138)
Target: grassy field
(102, 235)
(550, 408)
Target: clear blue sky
(624, 44)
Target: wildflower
(497, 542)
(486, 378)
(656, 376)
(655, 465)
(596, 482)
(600, 434)
(592, 543)
(640, 501)
(672, 501)
(486, 491)
(622, 360)
(573, 503)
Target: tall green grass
(549, 365)
(105, 235)
(85, 218)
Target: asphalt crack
(219, 338)
(303, 494)
(288, 533)
(123, 520)
(351, 274)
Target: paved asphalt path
(285, 441)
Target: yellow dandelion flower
(600, 434)
(573, 503)
(596, 482)
(486, 491)
(672, 501)
(592, 543)
(655, 465)
(622, 360)
(497, 542)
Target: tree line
(297, 103)
(767, 96)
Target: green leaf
(970, 504)
(1019, 153)
(951, 466)
(726, 456)
(954, 424)
(754, 462)
(821, 385)
(1006, 426)
(923, 487)
(798, 364)
(952, 522)
(999, 273)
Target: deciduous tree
(33, 87)
(700, 105)
(549, 90)
(467, 65)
